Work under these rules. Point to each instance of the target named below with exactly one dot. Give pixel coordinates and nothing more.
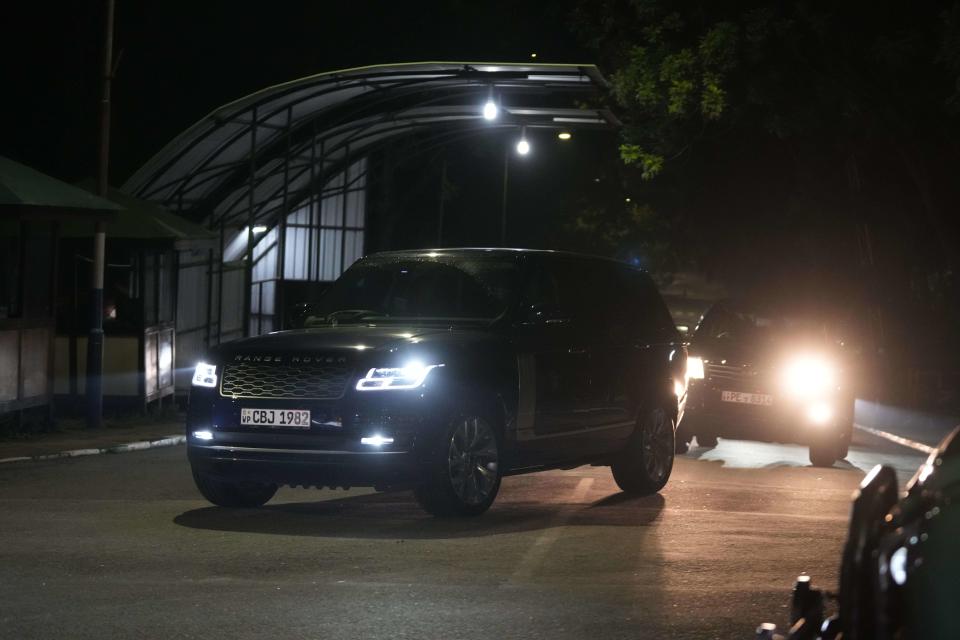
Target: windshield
(443, 288)
(743, 325)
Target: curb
(900, 440)
(167, 441)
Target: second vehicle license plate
(290, 418)
(764, 399)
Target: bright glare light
(205, 375)
(820, 413)
(809, 375)
(695, 368)
(203, 435)
(523, 147)
(677, 389)
(409, 376)
(898, 566)
(564, 135)
(260, 228)
(376, 440)
(490, 110)
(166, 357)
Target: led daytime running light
(410, 376)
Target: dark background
(762, 199)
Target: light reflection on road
(865, 452)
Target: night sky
(764, 197)
(180, 60)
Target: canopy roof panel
(140, 220)
(262, 155)
(25, 191)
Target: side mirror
(300, 314)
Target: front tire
(464, 477)
(823, 455)
(233, 494)
(644, 465)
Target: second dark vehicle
(766, 371)
(443, 371)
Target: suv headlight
(409, 376)
(809, 375)
(205, 375)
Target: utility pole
(95, 340)
(503, 207)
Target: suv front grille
(308, 381)
(728, 372)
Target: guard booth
(145, 248)
(33, 208)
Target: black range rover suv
(443, 371)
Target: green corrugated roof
(140, 220)
(22, 187)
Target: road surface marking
(540, 547)
(904, 442)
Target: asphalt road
(122, 546)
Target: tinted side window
(642, 303)
(556, 285)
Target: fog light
(819, 413)
(376, 441)
(203, 435)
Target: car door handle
(577, 350)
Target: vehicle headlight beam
(205, 375)
(808, 376)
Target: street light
(564, 135)
(523, 147)
(490, 109)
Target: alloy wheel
(473, 460)
(658, 445)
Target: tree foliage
(793, 137)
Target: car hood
(350, 341)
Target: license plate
(290, 418)
(763, 399)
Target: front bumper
(785, 419)
(330, 451)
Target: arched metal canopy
(260, 156)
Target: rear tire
(233, 494)
(464, 477)
(644, 465)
